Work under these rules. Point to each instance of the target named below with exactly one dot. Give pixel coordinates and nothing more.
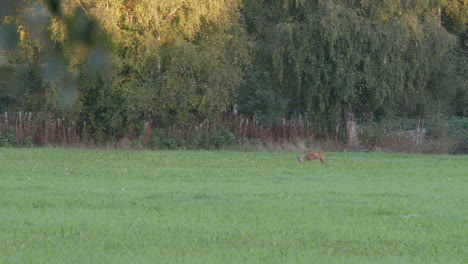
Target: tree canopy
(118, 63)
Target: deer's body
(316, 154)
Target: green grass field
(96, 206)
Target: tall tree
(335, 59)
(184, 58)
(127, 59)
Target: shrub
(458, 131)
(168, 143)
(222, 138)
(450, 132)
(8, 139)
(28, 142)
(155, 143)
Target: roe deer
(316, 154)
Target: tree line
(116, 64)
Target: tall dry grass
(295, 135)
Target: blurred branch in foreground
(34, 25)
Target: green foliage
(168, 143)
(458, 131)
(328, 56)
(459, 103)
(455, 15)
(28, 142)
(8, 139)
(184, 72)
(458, 127)
(221, 138)
(8, 84)
(452, 130)
(104, 108)
(165, 139)
(257, 97)
(175, 139)
(115, 64)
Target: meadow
(108, 206)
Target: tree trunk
(351, 129)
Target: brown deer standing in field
(316, 154)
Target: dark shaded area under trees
(173, 74)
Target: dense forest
(354, 71)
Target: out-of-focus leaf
(8, 81)
(8, 7)
(54, 7)
(98, 60)
(81, 28)
(37, 17)
(8, 36)
(68, 93)
(53, 68)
